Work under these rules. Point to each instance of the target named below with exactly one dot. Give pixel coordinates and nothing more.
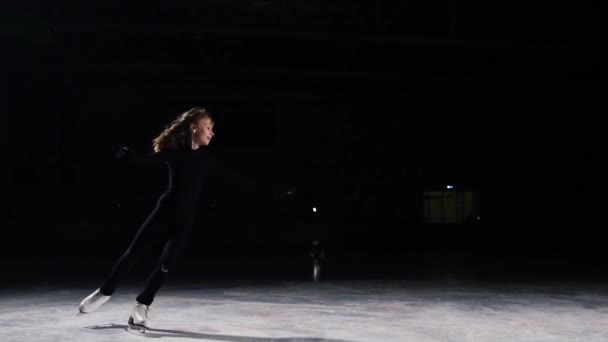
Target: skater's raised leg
(153, 225)
(92, 302)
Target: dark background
(358, 106)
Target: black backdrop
(358, 107)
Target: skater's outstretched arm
(128, 155)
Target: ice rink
(346, 311)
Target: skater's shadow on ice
(158, 333)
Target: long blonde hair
(177, 133)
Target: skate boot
(138, 321)
(92, 302)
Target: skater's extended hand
(123, 153)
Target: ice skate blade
(137, 329)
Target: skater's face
(202, 132)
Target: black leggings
(161, 224)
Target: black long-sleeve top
(188, 170)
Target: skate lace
(96, 298)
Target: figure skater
(182, 146)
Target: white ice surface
(354, 311)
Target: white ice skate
(138, 321)
(92, 302)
